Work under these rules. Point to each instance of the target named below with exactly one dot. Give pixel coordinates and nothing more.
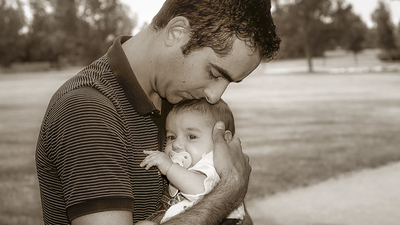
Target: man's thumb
(219, 130)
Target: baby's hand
(159, 159)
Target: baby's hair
(217, 112)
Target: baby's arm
(186, 181)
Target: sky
(146, 9)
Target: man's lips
(191, 96)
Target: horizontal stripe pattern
(90, 146)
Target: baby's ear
(228, 136)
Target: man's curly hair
(217, 23)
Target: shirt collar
(127, 79)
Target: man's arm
(234, 169)
(90, 159)
(105, 218)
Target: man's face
(203, 74)
(189, 132)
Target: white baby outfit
(205, 166)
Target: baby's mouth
(181, 158)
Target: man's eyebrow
(224, 73)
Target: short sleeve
(205, 166)
(88, 149)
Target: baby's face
(189, 132)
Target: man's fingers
(236, 142)
(221, 148)
(219, 131)
(231, 163)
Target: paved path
(369, 197)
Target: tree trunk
(355, 58)
(307, 50)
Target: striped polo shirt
(91, 143)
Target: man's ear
(177, 30)
(228, 136)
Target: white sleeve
(205, 166)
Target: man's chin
(175, 100)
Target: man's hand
(234, 169)
(159, 159)
(230, 162)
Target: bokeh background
(328, 105)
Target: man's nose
(214, 92)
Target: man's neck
(138, 50)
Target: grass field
(298, 128)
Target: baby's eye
(191, 136)
(171, 138)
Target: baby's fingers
(148, 158)
(144, 162)
(147, 162)
(149, 165)
(149, 152)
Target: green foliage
(12, 20)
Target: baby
(188, 158)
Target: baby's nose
(177, 146)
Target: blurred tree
(398, 35)
(356, 36)
(103, 21)
(385, 29)
(44, 35)
(311, 14)
(304, 28)
(75, 31)
(349, 30)
(371, 38)
(12, 20)
(67, 30)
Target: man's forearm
(213, 208)
(234, 169)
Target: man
(98, 124)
